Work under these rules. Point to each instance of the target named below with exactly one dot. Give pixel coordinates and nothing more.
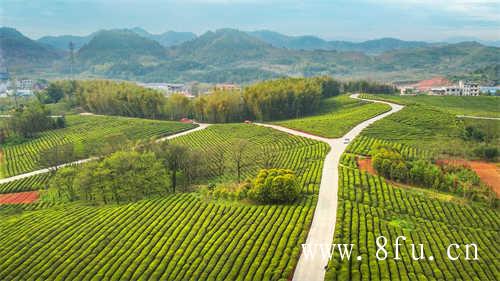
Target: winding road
(201, 126)
(323, 224)
(322, 229)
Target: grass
(178, 237)
(336, 117)
(85, 133)
(485, 106)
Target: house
(463, 89)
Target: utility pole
(14, 90)
(71, 58)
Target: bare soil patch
(489, 173)
(19, 198)
(365, 164)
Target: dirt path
(323, 224)
(46, 170)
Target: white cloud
(478, 9)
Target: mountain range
(229, 55)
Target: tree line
(268, 100)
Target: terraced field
(27, 184)
(84, 132)
(302, 155)
(336, 117)
(485, 106)
(432, 129)
(179, 237)
(370, 207)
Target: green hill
(114, 46)
(20, 52)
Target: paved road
(478, 117)
(46, 170)
(323, 224)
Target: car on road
(347, 140)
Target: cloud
(487, 10)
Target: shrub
(275, 186)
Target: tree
(173, 156)
(275, 186)
(29, 120)
(57, 155)
(54, 93)
(239, 157)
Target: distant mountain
(18, 51)
(458, 39)
(166, 39)
(62, 42)
(229, 55)
(221, 47)
(123, 46)
(314, 43)
(448, 58)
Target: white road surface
(323, 224)
(201, 126)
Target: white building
(468, 88)
(463, 89)
(167, 88)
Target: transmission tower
(71, 58)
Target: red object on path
(19, 198)
(186, 120)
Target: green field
(485, 106)
(27, 184)
(432, 129)
(370, 207)
(85, 133)
(336, 117)
(179, 237)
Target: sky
(430, 20)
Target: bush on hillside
(274, 186)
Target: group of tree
(390, 163)
(266, 100)
(30, 119)
(274, 186)
(107, 97)
(147, 169)
(484, 138)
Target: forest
(263, 101)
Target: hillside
(221, 47)
(62, 42)
(114, 46)
(229, 55)
(448, 58)
(20, 52)
(308, 42)
(166, 39)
